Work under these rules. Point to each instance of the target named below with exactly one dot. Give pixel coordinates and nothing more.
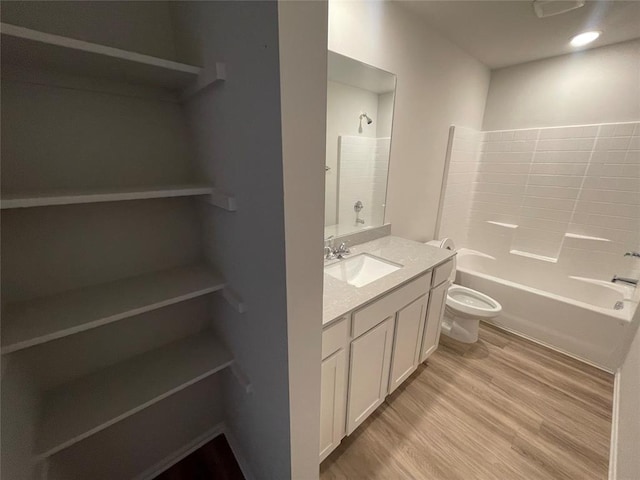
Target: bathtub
(586, 318)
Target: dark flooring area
(212, 461)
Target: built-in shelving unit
(175, 437)
(70, 197)
(102, 409)
(41, 320)
(86, 406)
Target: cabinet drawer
(374, 313)
(335, 337)
(441, 273)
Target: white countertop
(340, 298)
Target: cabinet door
(435, 312)
(369, 372)
(332, 402)
(407, 340)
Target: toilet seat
(467, 301)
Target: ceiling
(508, 32)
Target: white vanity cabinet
(372, 350)
(369, 372)
(407, 340)
(369, 353)
(435, 310)
(333, 390)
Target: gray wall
(238, 144)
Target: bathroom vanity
(375, 335)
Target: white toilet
(464, 307)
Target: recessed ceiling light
(584, 38)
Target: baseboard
(550, 347)
(613, 452)
(181, 453)
(237, 452)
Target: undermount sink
(361, 270)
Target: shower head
(364, 115)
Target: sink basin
(361, 269)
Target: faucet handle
(344, 249)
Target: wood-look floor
(503, 408)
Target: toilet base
(464, 330)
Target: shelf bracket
(222, 200)
(242, 379)
(208, 76)
(232, 298)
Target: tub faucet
(628, 281)
(632, 254)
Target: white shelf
(73, 197)
(535, 256)
(29, 323)
(86, 406)
(27, 47)
(512, 226)
(160, 435)
(577, 236)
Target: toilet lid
(449, 245)
(471, 302)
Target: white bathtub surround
(556, 208)
(564, 195)
(459, 178)
(362, 176)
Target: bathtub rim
(626, 317)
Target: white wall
(303, 72)
(345, 103)
(437, 85)
(593, 86)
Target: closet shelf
(27, 47)
(71, 197)
(77, 410)
(41, 320)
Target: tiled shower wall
(460, 178)
(363, 163)
(565, 195)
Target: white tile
(607, 130)
(624, 129)
(615, 143)
(526, 134)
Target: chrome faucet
(632, 254)
(331, 252)
(628, 281)
(342, 250)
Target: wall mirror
(360, 101)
